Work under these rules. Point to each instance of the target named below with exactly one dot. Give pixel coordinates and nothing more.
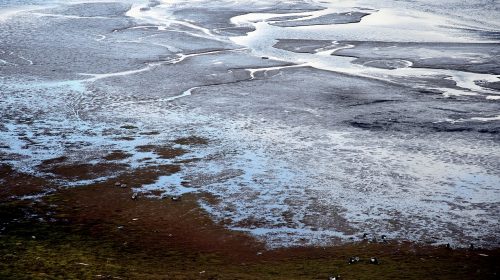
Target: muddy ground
(99, 231)
(151, 140)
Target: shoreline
(100, 230)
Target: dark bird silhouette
(353, 260)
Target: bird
(134, 196)
(365, 235)
(374, 260)
(353, 260)
(384, 238)
(448, 246)
(471, 246)
(337, 277)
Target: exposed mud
(99, 231)
(270, 133)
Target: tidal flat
(98, 231)
(249, 139)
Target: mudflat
(249, 140)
